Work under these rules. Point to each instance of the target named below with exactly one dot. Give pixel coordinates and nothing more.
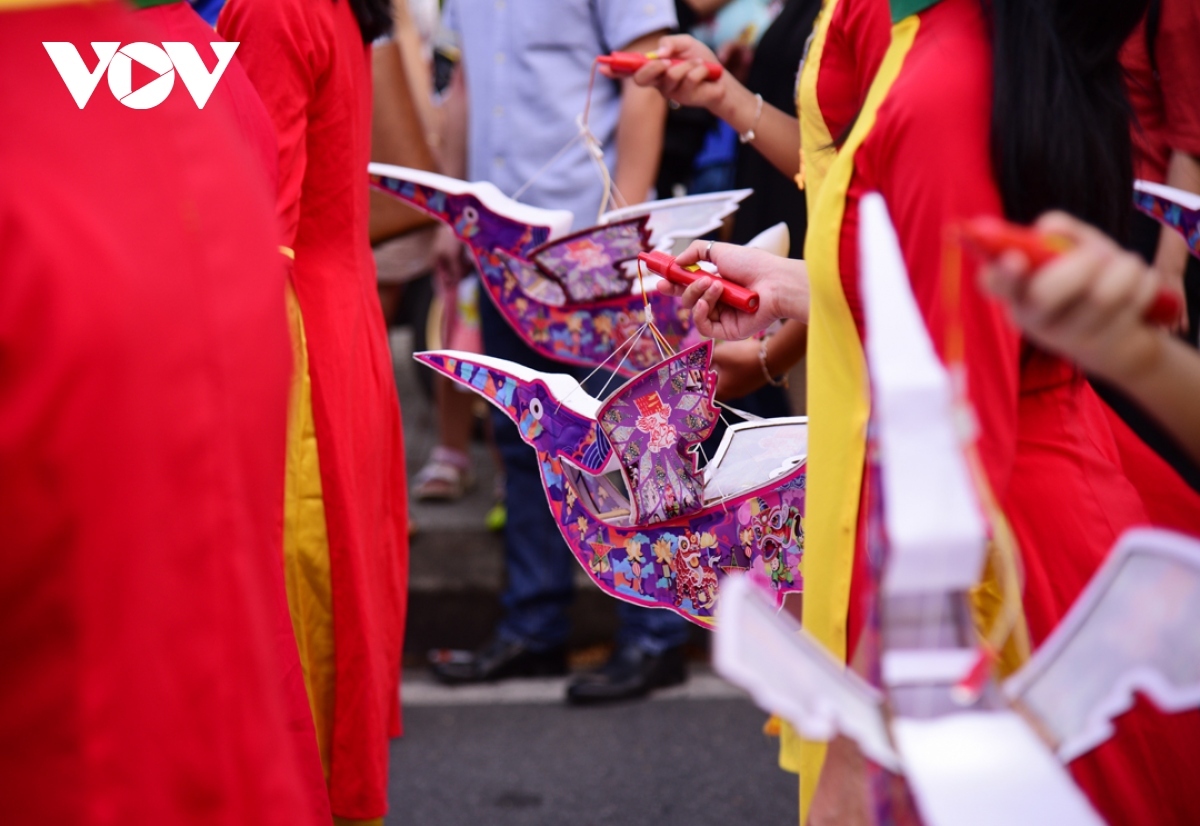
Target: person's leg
(532, 635)
(654, 630)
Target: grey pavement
(689, 756)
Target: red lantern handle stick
(626, 63)
(992, 237)
(735, 295)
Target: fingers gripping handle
(626, 63)
(734, 295)
(992, 237)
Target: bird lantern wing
(676, 222)
(1171, 207)
(654, 422)
(590, 265)
(1134, 628)
(788, 673)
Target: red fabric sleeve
(285, 51)
(857, 39)
(1177, 50)
(937, 118)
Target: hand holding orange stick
(992, 237)
(623, 64)
(1091, 304)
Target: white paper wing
(790, 674)
(775, 239)
(676, 222)
(987, 769)
(752, 453)
(1135, 627)
(934, 524)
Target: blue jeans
(540, 567)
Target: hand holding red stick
(735, 295)
(992, 237)
(626, 63)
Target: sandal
(446, 476)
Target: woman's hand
(1088, 304)
(687, 83)
(781, 284)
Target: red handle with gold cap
(735, 295)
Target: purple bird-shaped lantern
(648, 524)
(574, 297)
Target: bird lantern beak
(467, 369)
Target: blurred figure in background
(526, 67)
(1162, 78)
(143, 405)
(346, 543)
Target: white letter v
(80, 82)
(195, 77)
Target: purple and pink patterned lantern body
(676, 530)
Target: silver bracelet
(762, 360)
(748, 135)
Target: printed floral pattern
(656, 420)
(588, 264)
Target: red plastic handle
(626, 63)
(991, 237)
(735, 295)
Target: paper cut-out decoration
(573, 298)
(977, 758)
(1132, 628)
(1171, 207)
(676, 222)
(674, 531)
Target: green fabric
(149, 4)
(906, 8)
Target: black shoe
(498, 660)
(631, 672)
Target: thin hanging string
(595, 152)
(1004, 549)
(629, 343)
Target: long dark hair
(374, 17)
(1060, 117)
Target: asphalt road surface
(514, 753)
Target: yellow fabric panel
(306, 544)
(816, 150)
(839, 407)
(345, 821)
(816, 155)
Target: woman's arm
(1088, 304)
(776, 133)
(740, 364)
